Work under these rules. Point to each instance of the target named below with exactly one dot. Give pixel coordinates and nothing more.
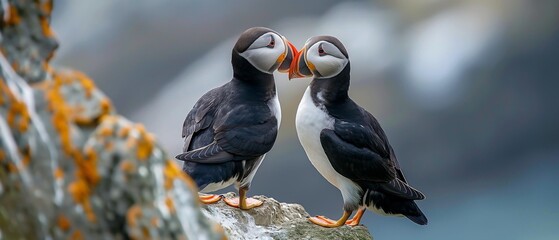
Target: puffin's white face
(267, 52)
(325, 58)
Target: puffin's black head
(321, 57)
(265, 49)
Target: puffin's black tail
(391, 204)
(418, 217)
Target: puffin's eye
(320, 50)
(272, 42)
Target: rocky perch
(275, 220)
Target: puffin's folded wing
(364, 136)
(200, 117)
(355, 163)
(211, 153)
(401, 189)
(247, 132)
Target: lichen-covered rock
(70, 166)
(275, 220)
(28, 41)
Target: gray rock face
(275, 220)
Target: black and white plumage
(344, 142)
(231, 128)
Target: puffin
(345, 142)
(231, 128)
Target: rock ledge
(275, 220)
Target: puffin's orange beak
(299, 68)
(287, 57)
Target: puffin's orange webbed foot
(356, 219)
(323, 222)
(249, 203)
(325, 219)
(209, 198)
(329, 223)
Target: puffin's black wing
(346, 148)
(211, 153)
(247, 130)
(240, 133)
(383, 144)
(359, 153)
(200, 117)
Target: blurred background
(466, 91)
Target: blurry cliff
(70, 166)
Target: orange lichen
(87, 84)
(89, 211)
(106, 131)
(219, 229)
(170, 204)
(77, 235)
(12, 16)
(46, 7)
(172, 172)
(17, 114)
(58, 173)
(45, 26)
(63, 222)
(4, 88)
(140, 127)
(88, 168)
(12, 168)
(61, 125)
(26, 159)
(23, 124)
(86, 173)
(127, 166)
(84, 121)
(155, 222)
(76, 111)
(109, 146)
(123, 132)
(133, 214)
(145, 143)
(109, 119)
(80, 192)
(60, 115)
(106, 106)
(2, 155)
(130, 142)
(145, 232)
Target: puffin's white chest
(310, 121)
(275, 107)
